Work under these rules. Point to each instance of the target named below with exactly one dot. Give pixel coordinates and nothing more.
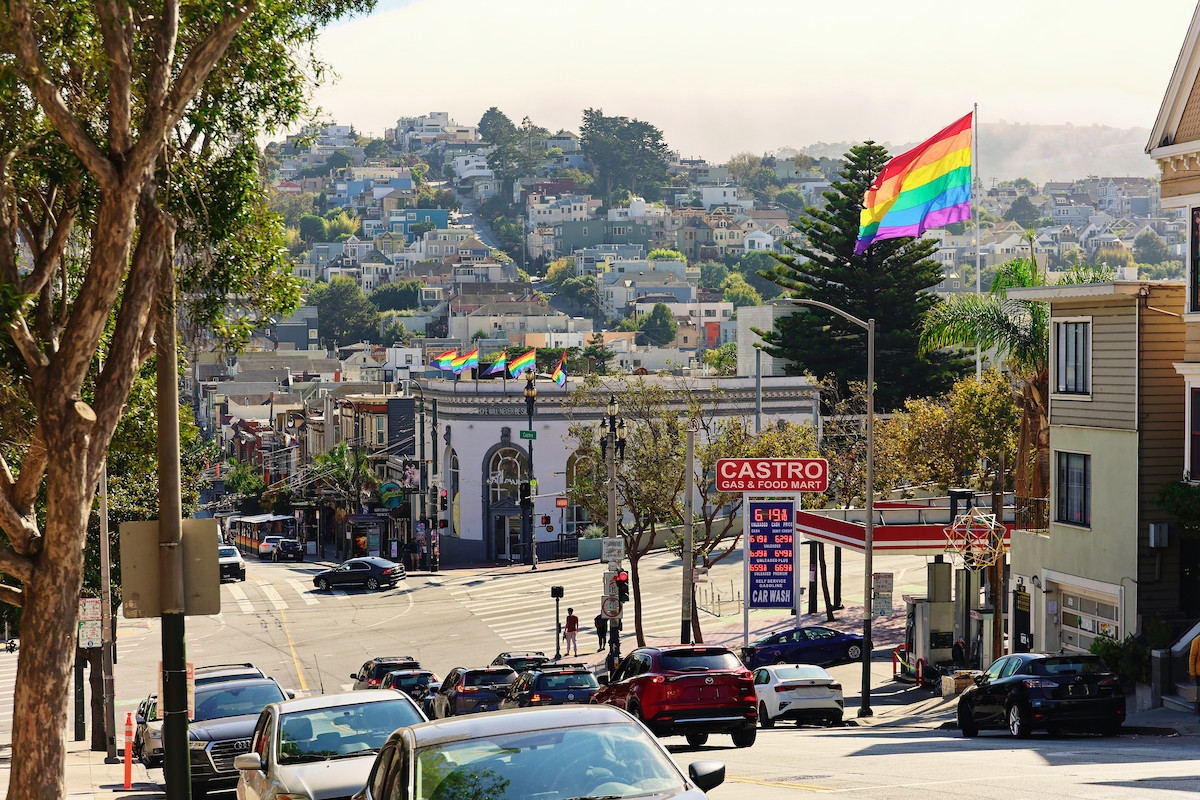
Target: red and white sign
(610, 607)
(560, 502)
(782, 475)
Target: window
(1074, 488)
(1072, 357)
(1194, 262)
(1194, 435)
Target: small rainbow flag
(465, 361)
(527, 361)
(499, 365)
(445, 360)
(927, 187)
(559, 375)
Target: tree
(792, 199)
(376, 148)
(740, 293)
(344, 314)
(291, 206)
(1149, 248)
(627, 154)
(397, 296)
(560, 271)
(423, 227)
(125, 149)
(341, 223)
(712, 274)
(751, 266)
(662, 252)
(1023, 212)
(659, 325)
(888, 283)
(723, 359)
(338, 160)
(313, 229)
(741, 165)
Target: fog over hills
(1040, 152)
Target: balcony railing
(1032, 514)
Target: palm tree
(1018, 330)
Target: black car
(219, 673)
(370, 675)
(465, 691)
(552, 685)
(413, 682)
(369, 571)
(1027, 691)
(808, 644)
(521, 660)
(288, 549)
(225, 717)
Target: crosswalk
(8, 678)
(280, 593)
(520, 610)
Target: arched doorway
(505, 468)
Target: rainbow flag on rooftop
(499, 365)
(927, 187)
(445, 360)
(559, 375)
(527, 361)
(465, 361)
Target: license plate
(1077, 690)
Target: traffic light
(623, 586)
(545, 519)
(443, 500)
(442, 523)
(526, 501)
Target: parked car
(465, 691)
(219, 673)
(288, 549)
(266, 548)
(369, 571)
(1024, 692)
(224, 723)
(370, 675)
(799, 692)
(690, 690)
(410, 681)
(230, 562)
(147, 736)
(521, 660)
(320, 746)
(551, 685)
(569, 751)
(811, 644)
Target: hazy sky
(720, 77)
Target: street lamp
(869, 537)
(612, 447)
(527, 512)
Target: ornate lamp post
(527, 511)
(613, 448)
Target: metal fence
(1032, 514)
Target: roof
(1081, 291)
(521, 720)
(1179, 90)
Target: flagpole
(978, 271)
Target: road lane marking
(292, 647)
(802, 786)
(304, 592)
(239, 595)
(274, 597)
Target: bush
(1130, 659)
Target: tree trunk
(96, 701)
(825, 582)
(635, 586)
(697, 636)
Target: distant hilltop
(1039, 152)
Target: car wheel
(745, 737)
(322, 584)
(1018, 721)
(300, 556)
(853, 652)
(763, 719)
(275, 557)
(834, 721)
(966, 722)
(372, 584)
(697, 739)
(779, 660)
(242, 577)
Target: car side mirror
(706, 774)
(602, 680)
(353, 677)
(140, 719)
(980, 679)
(290, 694)
(247, 761)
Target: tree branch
(117, 46)
(33, 466)
(35, 359)
(12, 595)
(19, 565)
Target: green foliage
(1023, 212)
(291, 206)
(1114, 257)
(752, 266)
(1130, 659)
(1149, 248)
(339, 160)
(583, 180)
(345, 315)
(887, 283)
(376, 148)
(723, 359)
(712, 274)
(659, 326)
(560, 271)
(628, 154)
(1166, 271)
(479, 334)
(313, 229)
(398, 296)
(343, 223)
(739, 292)
(433, 197)
(662, 252)
(1181, 499)
(792, 199)
(423, 227)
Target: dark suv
(224, 722)
(289, 549)
(521, 660)
(690, 690)
(219, 673)
(465, 691)
(551, 685)
(413, 682)
(370, 675)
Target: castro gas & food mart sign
(782, 475)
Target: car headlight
(192, 745)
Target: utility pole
(107, 644)
(689, 558)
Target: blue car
(812, 644)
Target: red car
(689, 690)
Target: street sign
(610, 584)
(881, 593)
(528, 434)
(775, 475)
(693, 425)
(560, 502)
(610, 607)
(89, 608)
(770, 554)
(612, 550)
(89, 633)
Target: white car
(266, 548)
(230, 562)
(799, 692)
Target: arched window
(579, 464)
(506, 470)
(452, 474)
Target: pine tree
(888, 282)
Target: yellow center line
(292, 647)
(786, 784)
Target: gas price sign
(770, 553)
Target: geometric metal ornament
(977, 538)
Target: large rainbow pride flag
(465, 361)
(519, 365)
(445, 359)
(927, 187)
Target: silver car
(320, 747)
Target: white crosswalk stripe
(305, 592)
(239, 596)
(273, 596)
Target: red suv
(690, 690)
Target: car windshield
(409, 681)
(699, 660)
(226, 552)
(384, 667)
(609, 761)
(234, 701)
(523, 663)
(343, 730)
(488, 677)
(1070, 665)
(763, 640)
(800, 673)
(567, 680)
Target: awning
(899, 528)
(255, 520)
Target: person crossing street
(570, 632)
(601, 623)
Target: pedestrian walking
(1194, 668)
(601, 630)
(570, 632)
